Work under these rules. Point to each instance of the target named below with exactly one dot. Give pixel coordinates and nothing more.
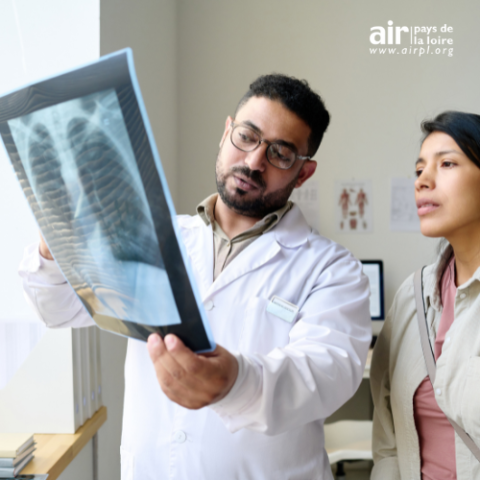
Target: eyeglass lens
(247, 140)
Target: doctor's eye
(246, 136)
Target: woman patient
(412, 435)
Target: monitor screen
(373, 269)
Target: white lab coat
(291, 376)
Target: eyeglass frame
(262, 140)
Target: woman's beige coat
(398, 368)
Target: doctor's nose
(257, 159)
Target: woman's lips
(424, 208)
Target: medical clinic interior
(381, 68)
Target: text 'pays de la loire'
(414, 35)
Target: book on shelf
(8, 472)
(14, 461)
(13, 444)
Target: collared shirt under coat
(226, 249)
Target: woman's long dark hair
(464, 128)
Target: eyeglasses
(247, 139)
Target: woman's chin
(431, 231)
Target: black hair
(297, 96)
(464, 128)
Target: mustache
(253, 175)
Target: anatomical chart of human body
(353, 206)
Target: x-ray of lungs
(84, 153)
(83, 173)
(115, 203)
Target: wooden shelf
(55, 452)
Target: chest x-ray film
(84, 153)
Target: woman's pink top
(435, 433)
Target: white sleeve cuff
(245, 391)
(33, 262)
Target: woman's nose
(426, 179)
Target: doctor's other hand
(44, 251)
(193, 381)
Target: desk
(366, 372)
(55, 452)
(360, 406)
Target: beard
(258, 207)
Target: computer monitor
(373, 269)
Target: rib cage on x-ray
(52, 194)
(106, 185)
(110, 195)
(83, 178)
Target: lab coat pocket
(262, 331)
(470, 400)
(127, 460)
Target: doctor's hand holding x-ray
(193, 381)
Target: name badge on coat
(282, 309)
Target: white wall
(376, 102)
(37, 39)
(149, 27)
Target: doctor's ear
(307, 170)
(228, 122)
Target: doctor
(255, 407)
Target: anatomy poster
(353, 206)
(403, 210)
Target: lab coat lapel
(254, 256)
(291, 232)
(199, 243)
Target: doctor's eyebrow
(252, 126)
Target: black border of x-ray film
(116, 71)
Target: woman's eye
(447, 164)
(418, 173)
